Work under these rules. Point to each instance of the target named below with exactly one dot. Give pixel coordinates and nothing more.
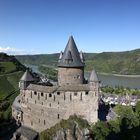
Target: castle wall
(43, 110)
(70, 76)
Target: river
(109, 79)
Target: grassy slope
(10, 73)
(109, 62)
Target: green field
(7, 67)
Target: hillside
(11, 71)
(127, 62)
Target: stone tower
(71, 65)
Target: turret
(60, 56)
(82, 57)
(25, 80)
(94, 81)
(70, 65)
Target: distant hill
(127, 62)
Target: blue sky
(44, 26)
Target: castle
(41, 106)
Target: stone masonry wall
(43, 110)
(70, 76)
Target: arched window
(50, 95)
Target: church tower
(71, 65)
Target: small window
(31, 94)
(39, 120)
(35, 101)
(50, 95)
(86, 93)
(58, 93)
(42, 94)
(38, 96)
(70, 97)
(54, 97)
(46, 96)
(75, 93)
(44, 122)
(50, 104)
(81, 96)
(35, 93)
(58, 116)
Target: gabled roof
(93, 77)
(27, 77)
(71, 56)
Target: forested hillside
(127, 62)
(11, 71)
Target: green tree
(100, 130)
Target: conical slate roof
(93, 77)
(71, 56)
(27, 77)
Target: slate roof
(71, 56)
(27, 77)
(48, 89)
(80, 87)
(42, 88)
(93, 77)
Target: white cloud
(14, 51)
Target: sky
(44, 26)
